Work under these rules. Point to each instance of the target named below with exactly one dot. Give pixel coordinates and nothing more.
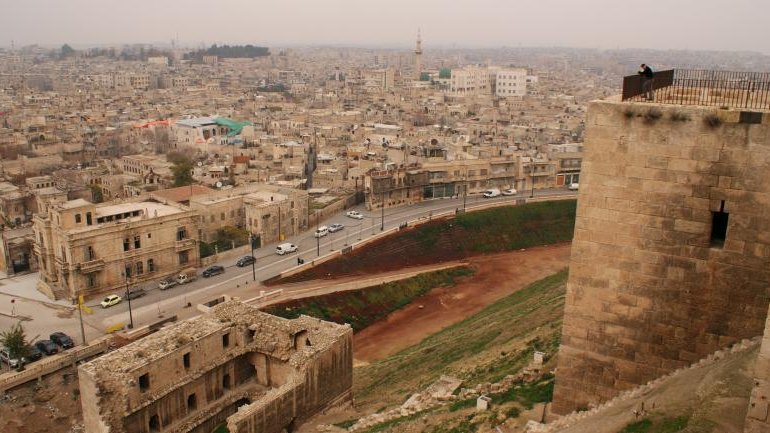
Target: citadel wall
(671, 251)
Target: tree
(67, 51)
(182, 170)
(16, 342)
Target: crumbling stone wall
(194, 375)
(650, 288)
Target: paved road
(235, 281)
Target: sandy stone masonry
(235, 364)
(656, 281)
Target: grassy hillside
(486, 231)
(485, 347)
(360, 308)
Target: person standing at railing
(648, 78)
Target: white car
(111, 300)
(509, 191)
(354, 214)
(491, 193)
(321, 231)
(573, 186)
(285, 249)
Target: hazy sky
(670, 24)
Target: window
(226, 381)
(719, 226)
(222, 216)
(181, 233)
(150, 265)
(139, 268)
(186, 360)
(78, 219)
(88, 218)
(144, 382)
(183, 257)
(226, 340)
(137, 241)
(128, 271)
(192, 402)
(154, 423)
(90, 281)
(149, 235)
(90, 253)
(126, 244)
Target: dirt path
(496, 276)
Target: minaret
(418, 57)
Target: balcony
(703, 87)
(91, 266)
(184, 244)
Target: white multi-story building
(510, 82)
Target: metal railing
(703, 87)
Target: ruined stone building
(89, 249)
(234, 365)
(671, 252)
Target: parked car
(509, 191)
(245, 261)
(285, 248)
(333, 228)
(5, 356)
(111, 300)
(573, 186)
(135, 292)
(47, 346)
(62, 340)
(187, 276)
(33, 354)
(354, 214)
(321, 231)
(213, 270)
(167, 283)
(494, 192)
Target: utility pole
(382, 202)
(253, 241)
(465, 189)
(317, 239)
(80, 314)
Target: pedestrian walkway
(24, 286)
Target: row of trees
(229, 51)
(15, 341)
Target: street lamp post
(317, 239)
(382, 203)
(130, 313)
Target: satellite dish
(219, 184)
(200, 164)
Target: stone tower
(671, 252)
(418, 57)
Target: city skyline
(484, 24)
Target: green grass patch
(361, 308)
(662, 425)
(221, 428)
(515, 317)
(527, 395)
(462, 404)
(642, 426)
(347, 423)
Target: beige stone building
(89, 249)
(269, 212)
(233, 366)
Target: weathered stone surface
(647, 293)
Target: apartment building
(510, 82)
(469, 81)
(89, 249)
